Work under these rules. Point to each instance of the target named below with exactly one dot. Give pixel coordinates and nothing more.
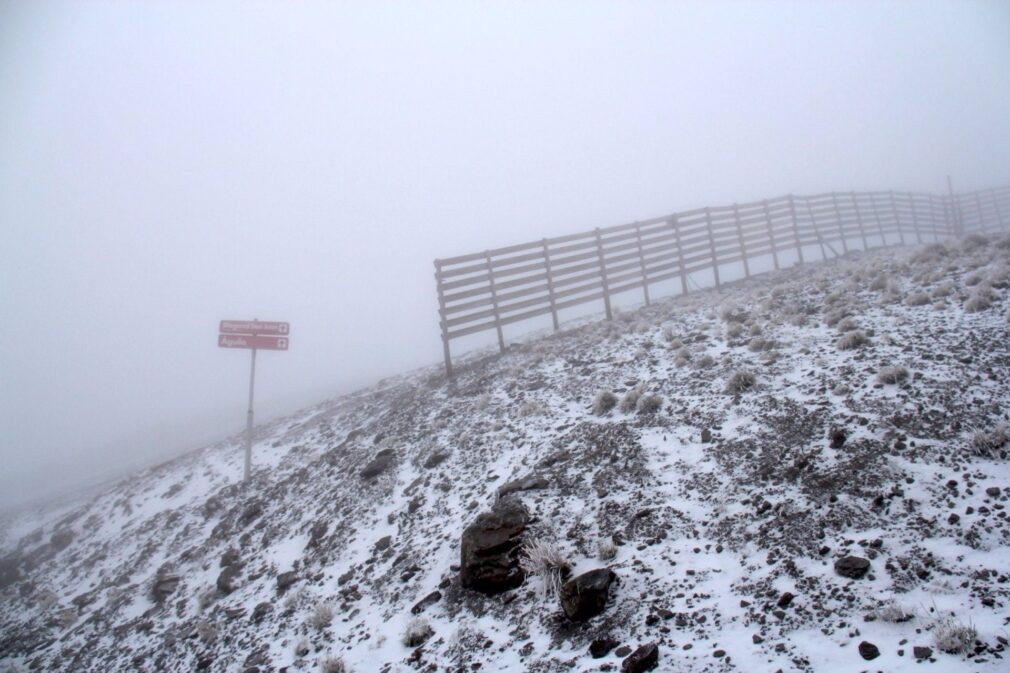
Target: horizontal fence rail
(492, 289)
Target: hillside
(797, 472)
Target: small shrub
(683, 357)
(755, 330)
(649, 404)
(606, 550)
(741, 381)
(852, 339)
(531, 408)
(730, 312)
(846, 325)
(206, 632)
(546, 561)
(931, 253)
(880, 282)
(974, 242)
(942, 290)
(604, 402)
(734, 330)
(706, 360)
(760, 344)
(302, 648)
(841, 390)
(798, 320)
(892, 612)
(892, 374)
(832, 318)
(977, 302)
(333, 665)
(322, 615)
(987, 443)
(676, 343)
(953, 637)
(973, 280)
(917, 299)
(418, 631)
(630, 400)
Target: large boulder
(527, 483)
(164, 586)
(490, 546)
(585, 596)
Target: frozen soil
(783, 441)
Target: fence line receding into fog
(491, 289)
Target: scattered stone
(853, 567)
(260, 611)
(435, 459)
(230, 558)
(227, 581)
(527, 483)
(922, 652)
(645, 658)
(384, 543)
(285, 580)
(868, 650)
(585, 596)
(785, 599)
(601, 647)
(622, 651)
(382, 461)
(490, 546)
(837, 436)
(426, 602)
(706, 436)
(164, 586)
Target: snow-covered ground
(846, 408)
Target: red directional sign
(254, 327)
(270, 343)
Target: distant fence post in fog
(489, 290)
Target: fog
(166, 165)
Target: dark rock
(757, 639)
(436, 459)
(260, 611)
(490, 546)
(785, 599)
(382, 461)
(285, 580)
(227, 580)
(164, 586)
(426, 602)
(922, 652)
(585, 596)
(993, 491)
(622, 651)
(706, 436)
(527, 483)
(645, 658)
(230, 558)
(852, 567)
(601, 647)
(417, 634)
(837, 437)
(868, 650)
(251, 512)
(61, 539)
(383, 543)
(9, 571)
(719, 654)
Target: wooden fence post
(441, 319)
(817, 229)
(897, 218)
(796, 228)
(603, 275)
(711, 246)
(932, 214)
(771, 234)
(915, 219)
(680, 253)
(978, 206)
(838, 219)
(995, 204)
(859, 221)
(494, 303)
(550, 284)
(641, 260)
(739, 238)
(876, 217)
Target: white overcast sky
(164, 165)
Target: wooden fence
(491, 289)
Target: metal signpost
(254, 335)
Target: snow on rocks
(711, 509)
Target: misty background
(166, 165)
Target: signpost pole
(249, 419)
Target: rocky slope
(804, 473)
